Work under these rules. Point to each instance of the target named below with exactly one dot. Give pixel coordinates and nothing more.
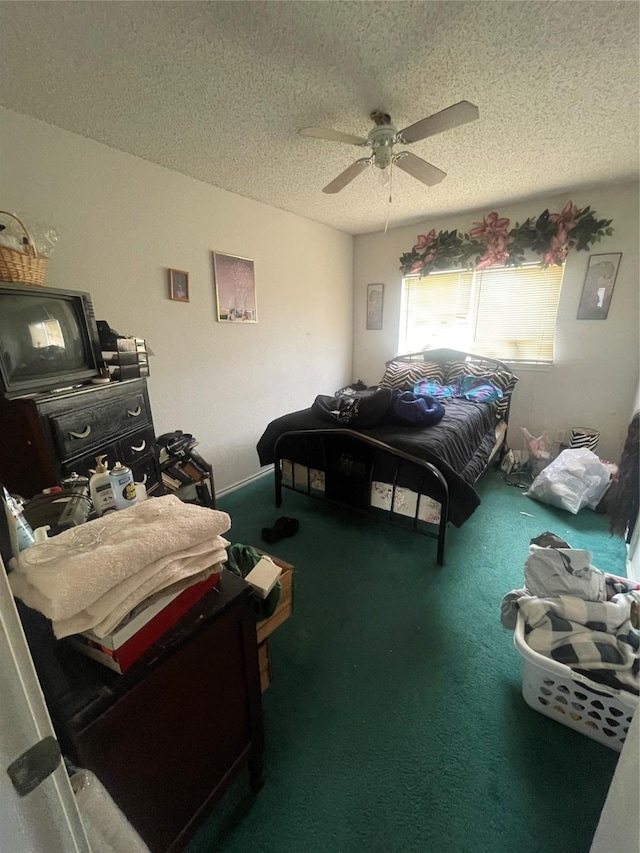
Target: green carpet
(395, 720)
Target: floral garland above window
(492, 243)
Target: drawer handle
(85, 434)
(135, 413)
(140, 447)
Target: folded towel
(76, 568)
(105, 614)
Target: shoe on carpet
(283, 527)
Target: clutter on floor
(575, 479)
(577, 629)
(283, 528)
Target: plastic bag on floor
(107, 829)
(575, 479)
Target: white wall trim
(234, 488)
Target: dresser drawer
(85, 465)
(135, 446)
(75, 432)
(145, 471)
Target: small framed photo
(375, 295)
(179, 285)
(235, 282)
(598, 286)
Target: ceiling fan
(384, 136)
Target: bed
(420, 477)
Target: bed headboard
(445, 365)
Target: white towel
(105, 614)
(61, 577)
(89, 620)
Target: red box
(122, 648)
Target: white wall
(619, 825)
(595, 375)
(123, 221)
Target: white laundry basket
(598, 711)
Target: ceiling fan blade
(332, 135)
(348, 175)
(419, 168)
(453, 116)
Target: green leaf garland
(492, 243)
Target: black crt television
(48, 339)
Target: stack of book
(177, 473)
(186, 473)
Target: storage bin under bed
(598, 711)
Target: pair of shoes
(283, 527)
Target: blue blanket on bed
(469, 387)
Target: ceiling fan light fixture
(381, 139)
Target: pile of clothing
(91, 577)
(577, 615)
(364, 409)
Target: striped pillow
(501, 378)
(404, 375)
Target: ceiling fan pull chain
(386, 224)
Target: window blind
(436, 310)
(516, 313)
(507, 313)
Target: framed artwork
(598, 286)
(375, 296)
(235, 288)
(179, 285)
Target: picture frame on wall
(375, 298)
(178, 285)
(597, 290)
(235, 283)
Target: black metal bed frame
(430, 477)
(431, 482)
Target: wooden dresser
(44, 438)
(168, 736)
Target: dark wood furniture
(168, 736)
(46, 437)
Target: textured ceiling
(218, 91)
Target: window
(507, 313)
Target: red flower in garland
(420, 264)
(492, 226)
(567, 218)
(494, 231)
(425, 240)
(560, 243)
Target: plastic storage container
(553, 689)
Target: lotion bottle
(100, 489)
(123, 485)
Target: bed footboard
(349, 469)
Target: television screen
(40, 336)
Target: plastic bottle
(20, 532)
(100, 488)
(123, 485)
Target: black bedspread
(459, 445)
